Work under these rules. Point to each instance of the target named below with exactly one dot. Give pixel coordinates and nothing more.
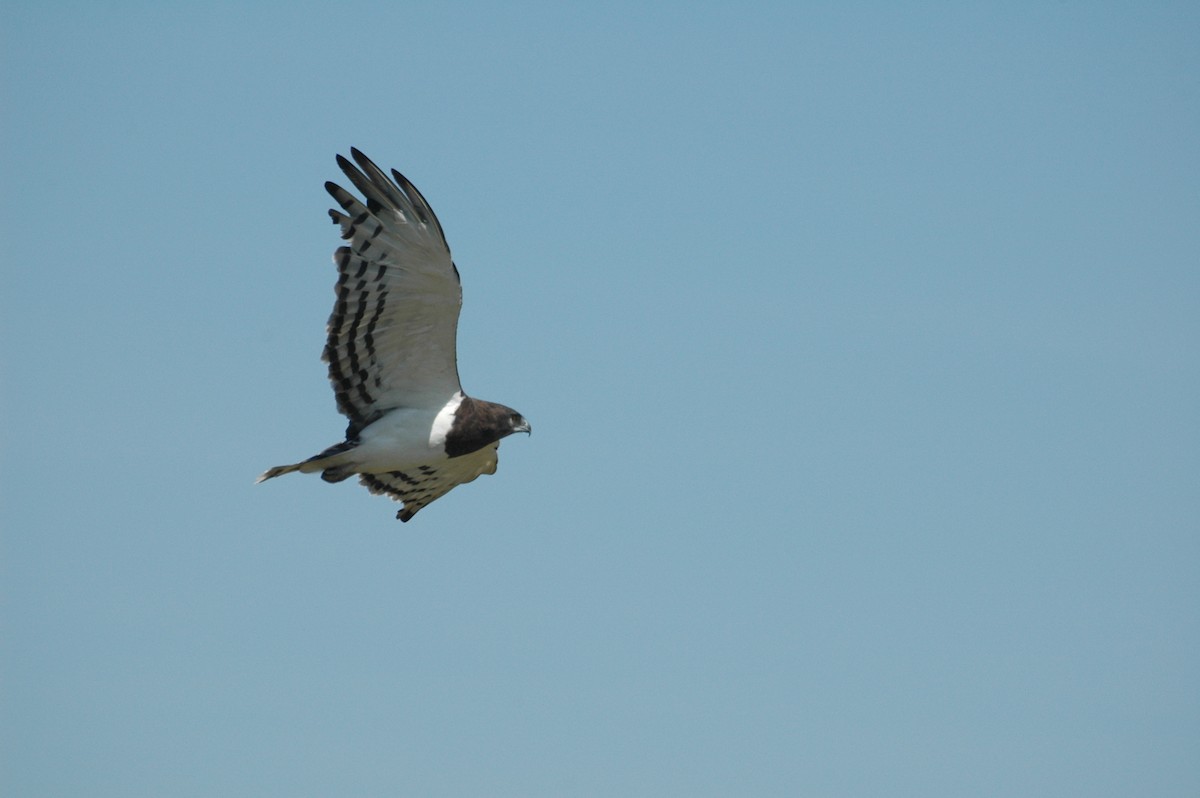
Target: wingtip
(364, 163)
(341, 196)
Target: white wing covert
(393, 327)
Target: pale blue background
(859, 340)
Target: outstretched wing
(392, 331)
(419, 486)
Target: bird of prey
(413, 434)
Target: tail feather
(277, 471)
(324, 462)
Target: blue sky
(859, 341)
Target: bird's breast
(403, 438)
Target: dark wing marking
(393, 326)
(419, 486)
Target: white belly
(404, 438)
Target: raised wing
(392, 331)
(419, 486)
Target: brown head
(477, 424)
